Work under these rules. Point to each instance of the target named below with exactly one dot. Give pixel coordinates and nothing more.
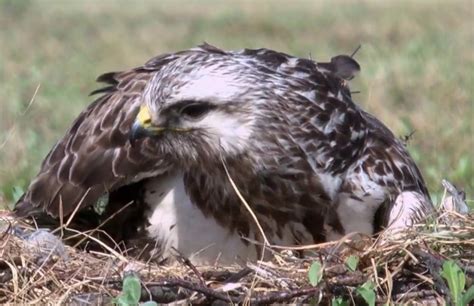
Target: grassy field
(417, 63)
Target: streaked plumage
(312, 164)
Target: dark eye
(196, 110)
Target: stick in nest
(249, 209)
(189, 264)
(269, 298)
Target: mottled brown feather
(94, 156)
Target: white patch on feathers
(330, 183)
(310, 94)
(228, 131)
(356, 216)
(404, 208)
(209, 84)
(177, 222)
(145, 175)
(356, 210)
(335, 120)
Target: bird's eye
(196, 110)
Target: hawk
(174, 145)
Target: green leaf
(339, 301)
(468, 296)
(131, 291)
(149, 303)
(456, 280)
(121, 301)
(367, 292)
(352, 262)
(315, 273)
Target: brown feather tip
(343, 66)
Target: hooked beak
(142, 127)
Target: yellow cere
(144, 117)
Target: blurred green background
(417, 61)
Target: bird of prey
(173, 146)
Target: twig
(190, 265)
(247, 206)
(31, 100)
(7, 230)
(254, 217)
(273, 297)
(226, 276)
(104, 222)
(239, 275)
(196, 288)
(420, 294)
(280, 297)
(102, 244)
(353, 279)
(76, 209)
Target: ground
(429, 264)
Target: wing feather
(94, 156)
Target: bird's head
(198, 102)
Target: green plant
(131, 291)
(367, 292)
(352, 262)
(315, 273)
(456, 280)
(339, 301)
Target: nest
(404, 266)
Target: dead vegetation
(404, 267)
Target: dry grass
(417, 63)
(405, 268)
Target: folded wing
(95, 157)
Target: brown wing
(95, 156)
